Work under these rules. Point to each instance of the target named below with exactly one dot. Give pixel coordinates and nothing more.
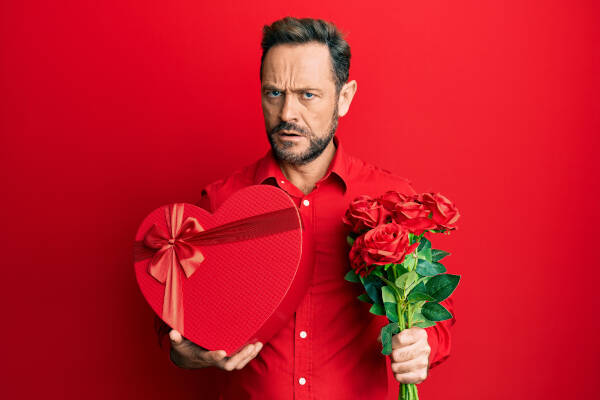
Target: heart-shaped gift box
(229, 278)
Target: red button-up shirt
(329, 349)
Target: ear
(346, 96)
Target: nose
(289, 110)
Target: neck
(305, 176)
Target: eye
(309, 95)
(273, 93)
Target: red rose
(382, 245)
(365, 213)
(413, 216)
(390, 198)
(444, 213)
(357, 261)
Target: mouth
(289, 134)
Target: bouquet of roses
(390, 255)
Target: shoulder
(370, 178)
(218, 191)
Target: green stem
(390, 283)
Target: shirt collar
(268, 167)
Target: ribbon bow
(177, 248)
(174, 253)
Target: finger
(405, 353)
(257, 347)
(409, 366)
(177, 339)
(408, 337)
(214, 356)
(231, 363)
(411, 377)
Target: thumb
(175, 337)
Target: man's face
(299, 101)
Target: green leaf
(349, 240)
(409, 262)
(417, 316)
(418, 319)
(373, 288)
(424, 324)
(377, 309)
(425, 254)
(399, 268)
(419, 304)
(406, 279)
(351, 276)
(419, 293)
(377, 271)
(389, 303)
(428, 268)
(391, 311)
(435, 312)
(424, 244)
(388, 295)
(441, 286)
(365, 297)
(386, 337)
(437, 255)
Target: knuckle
(400, 378)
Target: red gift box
(229, 278)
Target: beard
(316, 144)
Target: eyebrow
(302, 89)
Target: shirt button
(306, 202)
(303, 334)
(302, 380)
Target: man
(329, 349)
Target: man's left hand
(410, 355)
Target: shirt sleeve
(439, 336)
(160, 327)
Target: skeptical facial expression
(299, 100)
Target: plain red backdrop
(111, 109)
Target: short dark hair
(303, 30)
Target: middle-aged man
(330, 348)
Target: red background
(111, 109)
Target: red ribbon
(173, 251)
(177, 249)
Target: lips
(289, 134)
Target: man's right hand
(186, 354)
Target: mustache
(287, 126)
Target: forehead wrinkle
(295, 71)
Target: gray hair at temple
(303, 30)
